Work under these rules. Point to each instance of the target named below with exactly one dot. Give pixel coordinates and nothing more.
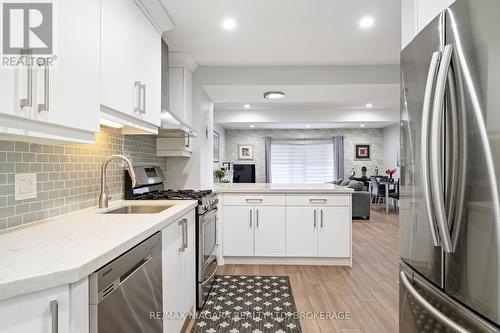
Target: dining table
(387, 185)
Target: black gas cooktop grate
(175, 195)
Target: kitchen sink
(135, 209)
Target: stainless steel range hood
(171, 126)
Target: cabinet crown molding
(183, 59)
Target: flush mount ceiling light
(229, 24)
(366, 22)
(308, 126)
(274, 95)
(252, 126)
(369, 105)
(362, 125)
(246, 106)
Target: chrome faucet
(103, 197)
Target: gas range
(207, 200)
(149, 186)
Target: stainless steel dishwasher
(126, 294)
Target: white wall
(222, 145)
(416, 14)
(195, 172)
(391, 149)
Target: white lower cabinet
(316, 228)
(238, 231)
(269, 231)
(318, 231)
(39, 312)
(301, 232)
(334, 233)
(254, 231)
(178, 267)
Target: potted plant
(390, 172)
(219, 175)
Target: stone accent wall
(256, 137)
(68, 176)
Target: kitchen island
(299, 224)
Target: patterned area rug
(249, 304)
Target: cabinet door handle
(314, 217)
(250, 218)
(257, 217)
(142, 96)
(186, 233)
(28, 101)
(184, 227)
(137, 91)
(46, 89)
(321, 217)
(54, 312)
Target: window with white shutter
(301, 161)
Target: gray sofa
(360, 198)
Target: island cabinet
(179, 277)
(258, 228)
(285, 228)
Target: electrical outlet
(25, 186)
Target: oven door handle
(207, 215)
(212, 274)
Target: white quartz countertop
(280, 188)
(69, 248)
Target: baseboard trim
(288, 261)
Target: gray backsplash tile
(68, 176)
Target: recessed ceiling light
(366, 22)
(246, 106)
(229, 24)
(362, 125)
(308, 126)
(274, 95)
(252, 126)
(369, 105)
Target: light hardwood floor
(368, 290)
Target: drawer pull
(317, 200)
(254, 200)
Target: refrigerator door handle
(429, 87)
(435, 156)
(435, 312)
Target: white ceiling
(321, 106)
(352, 95)
(286, 32)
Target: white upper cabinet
(59, 101)
(130, 66)
(181, 68)
(416, 14)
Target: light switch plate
(25, 186)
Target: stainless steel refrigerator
(450, 173)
